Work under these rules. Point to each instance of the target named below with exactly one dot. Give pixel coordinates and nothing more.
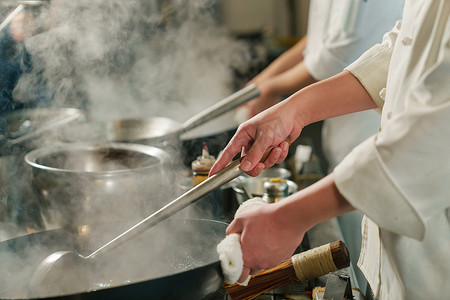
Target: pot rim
(31, 157)
(237, 186)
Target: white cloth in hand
(230, 255)
(250, 203)
(229, 249)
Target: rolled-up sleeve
(371, 69)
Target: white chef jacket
(400, 177)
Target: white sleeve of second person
(351, 28)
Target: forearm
(285, 61)
(339, 95)
(290, 81)
(314, 204)
(279, 86)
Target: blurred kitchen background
(76, 67)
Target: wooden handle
(307, 265)
(339, 252)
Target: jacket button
(389, 115)
(407, 41)
(382, 94)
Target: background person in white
(338, 33)
(398, 178)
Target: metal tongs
(21, 5)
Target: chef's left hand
(266, 239)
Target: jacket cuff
(371, 70)
(367, 185)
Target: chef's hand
(22, 26)
(271, 128)
(267, 238)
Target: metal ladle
(67, 271)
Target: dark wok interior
(151, 264)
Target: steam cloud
(135, 58)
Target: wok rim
(31, 157)
(114, 288)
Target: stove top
(299, 290)
(219, 295)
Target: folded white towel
(250, 203)
(229, 249)
(230, 255)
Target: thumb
(244, 275)
(234, 227)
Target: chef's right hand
(271, 128)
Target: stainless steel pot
(83, 184)
(255, 185)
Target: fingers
(234, 227)
(253, 142)
(254, 154)
(244, 275)
(256, 170)
(246, 271)
(234, 147)
(276, 156)
(255, 271)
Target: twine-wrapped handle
(321, 260)
(307, 265)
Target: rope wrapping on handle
(313, 263)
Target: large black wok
(176, 259)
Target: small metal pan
(154, 130)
